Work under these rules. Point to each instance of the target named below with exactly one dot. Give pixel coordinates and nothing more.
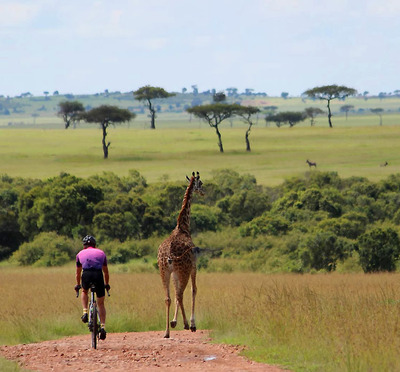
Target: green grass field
(336, 322)
(277, 153)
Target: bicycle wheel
(95, 326)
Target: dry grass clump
(316, 322)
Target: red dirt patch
(142, 351)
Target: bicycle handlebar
(77, 292)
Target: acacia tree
(70, 111)
(149, 93)
(312, 112)
(379, 112)
(107, 115)
(346, 109)
(246, 112)
(328, 93)
(287, 117)
(214, 114)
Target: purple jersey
(91, 258)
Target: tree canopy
(378, 111)
(149, 93)
(214, 114)
(106, 115)
(312, 112)
(69, 111)
(246, 113)
(328, 93)
(287, 117)
(346, 109)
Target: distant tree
(328, 93)
(184, 90)
(288, 117)
(312, 112)
(379, 112)
(248, 91)
(246, 112)
(195, 90)
(346, 109)
(365, 94)
(35, 115)
(56, 93)
(46, 94)
(149, 93)
(70, 111)
(382, 95)
(106, 115)
(219, 97)
(284, 95)
(214, 114)
(232, 92)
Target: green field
(277, 153)
(34, 143)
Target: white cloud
(13, 14)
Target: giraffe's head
(198, 184)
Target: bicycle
(94, 319)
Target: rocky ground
(142, 351)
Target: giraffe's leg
(194, 292)
(166, 279)
(176, 285)
(179, 298)
(180, 285)
(175, 320)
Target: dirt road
(142, 351)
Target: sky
(270, 46)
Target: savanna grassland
(303, 322)
(320, 322)
(277, 153)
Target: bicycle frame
(93, 315)
(94, 320)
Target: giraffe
(177, 258)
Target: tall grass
(335, 322)
(310, 322)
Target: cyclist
(93, 262)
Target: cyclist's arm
(106, 274)
(78, 274)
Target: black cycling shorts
(96, 278)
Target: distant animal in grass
(311, 163)
(385, 164)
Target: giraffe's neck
(184, 215)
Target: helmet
(89, 240)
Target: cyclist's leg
(102, 309)
(102, 316)
(84, 298)
(100, 292)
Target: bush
(265, 225)
(244, 206)
(47, 249)
(322, 250)
(379, 250)
(119, 253)
(204, 218)
(350, 225)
